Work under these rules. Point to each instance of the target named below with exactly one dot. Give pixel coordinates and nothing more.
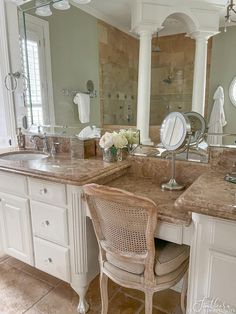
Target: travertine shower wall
(175, 61)
(118, 55)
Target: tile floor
(24, 289)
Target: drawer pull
(46, 223)
(43, 191)
(48, 260)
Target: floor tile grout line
(4, 260)
(140, 308)
(44, 281)
(118, 290)
(40, 299)
(31, 275)
(132, 297)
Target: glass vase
(110, 154)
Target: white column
(200, 70)
(144, 86)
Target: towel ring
(90, 86)
(11, 81)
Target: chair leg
(104, 292)
(184, 292)
(148, 302)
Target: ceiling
(118, 14)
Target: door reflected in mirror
(58, 56)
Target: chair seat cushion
(133, 268)
(169, 256)
(162, 282)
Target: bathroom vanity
(45, 222)
(43, 216)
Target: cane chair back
(124, 223)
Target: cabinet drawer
(13, 183)
(48, 192)
(224, 235)
(169, 232)
(49, 222)
(52, 259)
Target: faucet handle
(45, 144)
(54, 148)
(39, 128)
(33, 140)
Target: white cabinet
(47, 192)
(44, 224)
(50, 222)
(13, 184)
(212, 275)
(16, 227)
(52, 258)
(50, 227)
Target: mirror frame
(196, 115)
(232, 86)
(186, 130)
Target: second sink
(23, 156)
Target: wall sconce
(230, 10)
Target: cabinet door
(222, 278)
(212, 275)
(16, 227)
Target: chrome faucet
(46, 148)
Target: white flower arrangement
(132, 137)
(119, 140)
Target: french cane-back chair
(130, 256)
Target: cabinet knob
(46, 223)
(48, 260)
(43, 191)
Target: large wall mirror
(59, 57)
(222, 74)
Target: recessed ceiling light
(82, 1)
(43, 11)
(61, 5)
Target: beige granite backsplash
(160, 169)
(74, 147)
(222, 158)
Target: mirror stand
(172, 185)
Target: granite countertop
(66, 170)
(210, 195)
(165, 200)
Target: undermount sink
(23, 156)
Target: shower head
(157, 48)
(168, 80)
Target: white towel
(83, 103)
(217, 119)
(87, 132)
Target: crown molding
(101, 16)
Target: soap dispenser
(20, 138)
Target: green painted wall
(74, 52)
(74, 60)
(223, 69)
